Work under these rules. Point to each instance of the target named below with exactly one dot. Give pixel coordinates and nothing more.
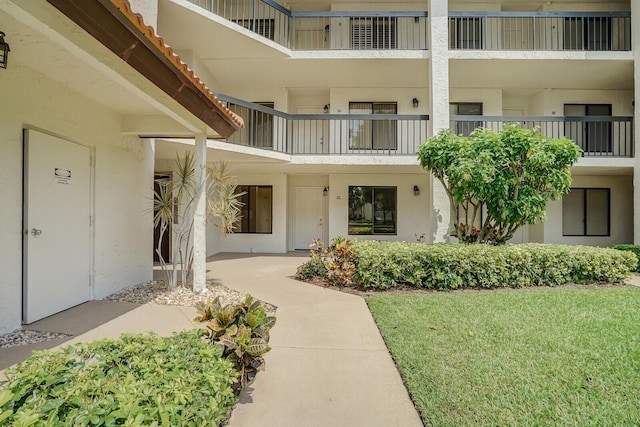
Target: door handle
(36, 232)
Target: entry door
(56, 225)
(308, 216)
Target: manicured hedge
(385, 265)
(631, 248)
(134, 380)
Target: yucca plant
(242, 329)
(173, 207)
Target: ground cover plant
(544, 357)
(386, 265)
(242, 330)
(134, 380)
(631, 248)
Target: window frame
(588, 143)
(251, 129)
(387, 39)
(392, 123)
(585, 212)
(594, 34)
(463, 128)
(264, 27)
(373, 189)
(466, 26)
(246, 188)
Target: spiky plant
(174, 203)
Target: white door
(56, 225)
(308, 216)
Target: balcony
(597, 136)
(537, 31)
(324, 30)
(327, 134)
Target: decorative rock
(24, 337)
(156, 292)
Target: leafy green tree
(505, 178)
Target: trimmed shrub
(134, 380)
(385, 265)
(631, 248)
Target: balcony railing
(601, 136)
(325, 30)
(327, 134)
(577, 31)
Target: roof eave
(104, 20)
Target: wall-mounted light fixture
(415, 102)
(326, 108)
(4, 51)
(325, 191)
(416, 190)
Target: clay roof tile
(167, 51)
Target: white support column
(439, 108)
(200, 216)
(635, 44)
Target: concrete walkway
(328, 365)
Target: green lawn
(544, 357)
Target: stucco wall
(276, 242)
(621, 213)
(123, 179)
(491, 99)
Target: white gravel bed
(153, 292)
(24, 337)
(156, 292)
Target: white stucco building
(335, 97)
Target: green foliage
(223, 201)
(385, 265)
(315, 266)
(560, 357)
(333, 263)
(174, 203)
(631, 248)
(510, 175)
(134, 380)
(242, 330)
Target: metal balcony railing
(581, 31)
(327, 134)
(325, 30)
(601, 136)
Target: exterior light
(325, 191)
(326, 109)
(415, 102)
(416, 190)
(4, 51)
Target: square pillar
(635, 45)
(200, 215)
(440, 210)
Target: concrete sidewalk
(328, 365)
(101, 319)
